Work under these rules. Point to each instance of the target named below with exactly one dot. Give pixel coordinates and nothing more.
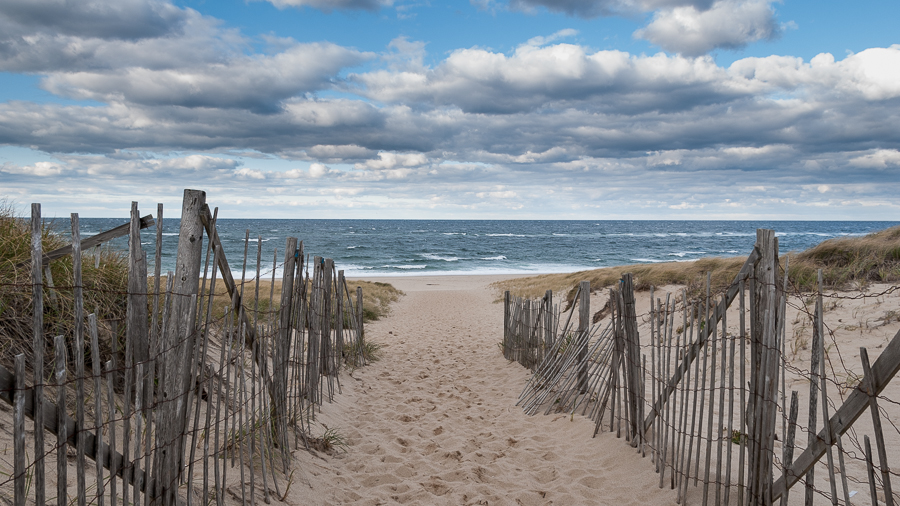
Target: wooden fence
(674, 394)
(193, 399)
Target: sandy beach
(435, 421)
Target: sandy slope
(435, 421)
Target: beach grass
(846, 262)
(104, 286)
(377, 297)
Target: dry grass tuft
(377, 297)
(691, 274)
(847, 262)
(104, 289)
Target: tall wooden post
(764, 373)
(584, 322)
(632, 355)
(506, 324)
(282, 344)
(360, 330)
(37, 284)
(177, 344)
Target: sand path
(435, 421)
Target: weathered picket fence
(191, 401)
(674, 393)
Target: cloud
(481, 81)
(476, 129)
(594, 8)
(727, 24)
(878, 159)
(256, 82)
(391, 161)
(318, 170)
(122, 19)
(50, 36)
(543, 41)
(330, 5)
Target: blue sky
(519, 109)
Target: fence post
(282, 344)
(506, 323)
(38, 327)
(764, 373)
(177, 345)
(584, 319)
(360, 330)
(136, 311)
(632, 357)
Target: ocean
(374, 248)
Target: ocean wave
(405, 266)
(681, 254)
(453, 233)
(438, 257)
(498, 257)
(647, 260)
(505, 235)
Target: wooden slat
(883, 370)
(19, 398)
(7, 394)
(62, 449)
(96, 240)
(79, 358)
(38, 347)
(692, 352)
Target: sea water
(373, 248)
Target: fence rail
(189, 399)
(708, 401)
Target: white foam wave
(681, 254)
(498, 257)
(438, 257)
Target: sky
(468, 109)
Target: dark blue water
(416, 247)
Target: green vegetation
(104, 288)
(331, 441)
(371, 352)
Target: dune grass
(104, 287)
(846, 262)
(377, 297)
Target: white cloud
(879, 159)
(728, 24)
(394, 160)
(330, 5)
(477, 80)
(318, 170)
(254, 82)
(543, 41)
